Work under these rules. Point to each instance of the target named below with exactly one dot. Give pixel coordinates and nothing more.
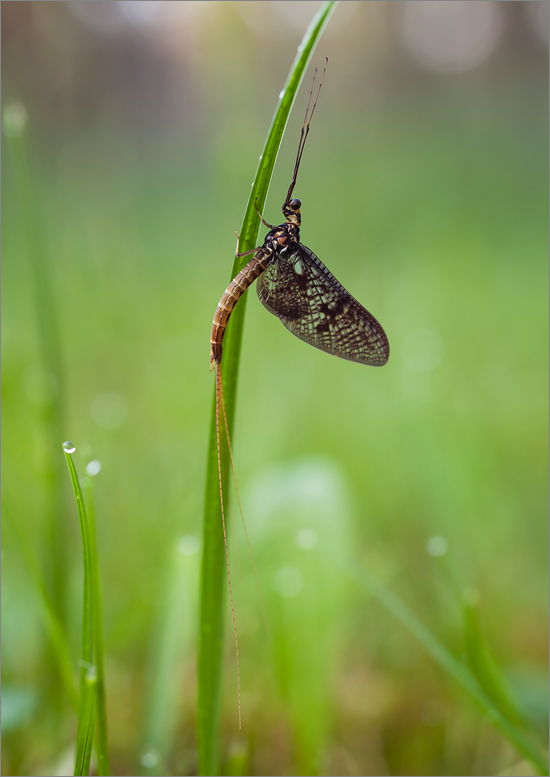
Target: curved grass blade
(14, 126)
(213, 572)
(92, 693)
(443, 656)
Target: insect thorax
(282, 236)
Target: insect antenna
(305, 130)
(219, 392)
(251, 554)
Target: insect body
(296, 287)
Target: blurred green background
(424, 190)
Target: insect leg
(271, 226)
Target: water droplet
(69, 447)
(109, 410)
(93, 468)
(306, 539)
(288, 582)
(14, 118)
(282, 94)
(91, 674)
(437, 546)
(188, 545)
(149, 759)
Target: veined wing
(314, 306)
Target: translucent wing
(314, 306)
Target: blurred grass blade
(460, 674)
(92, 638)
(14, 121)
(213, 562)
(97, 633)
(173, 638)
(481, 662)
(86, 722)
(47, 612)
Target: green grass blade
(86, 660)
(97, 632)
(86, 723)
(213, 572)
(14, 120)
(456, 670)
(92, 663)
(482, 664)
(173, 636)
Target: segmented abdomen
(232, 295)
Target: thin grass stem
(213, 583)
(86, 722)
(102, 746)
(14, 121)
(91, 662)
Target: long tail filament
(219, 393)
(251, 554)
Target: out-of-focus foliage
(424, 189)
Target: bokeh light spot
(102, 17)
(14, 118)
(150, 759)
(423, 349)
(288, 582)
(437, 546)
(306, 539)
(109, 411)
(451, 35)
(93, 468)
(188, 545)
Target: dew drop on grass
(69, 447)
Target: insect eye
(296, 204)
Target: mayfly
(295, 286)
